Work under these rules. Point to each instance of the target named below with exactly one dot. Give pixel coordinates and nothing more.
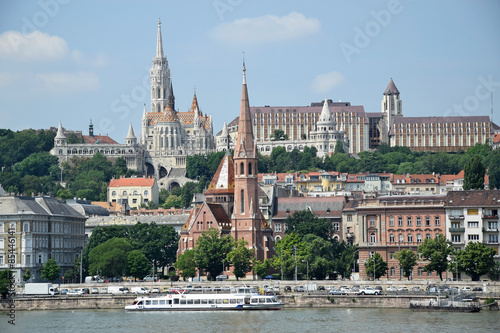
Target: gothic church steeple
(161, 83)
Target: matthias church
(167, 137)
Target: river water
(286, 320)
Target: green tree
(186, 264)
(210, 250)
(174, 201)
(279, 134)
(318, 255)
(27, 275)
(288, 251)
(494, 274)
(6, 278)
(339, 147)
(187, 193)
(51, 270)
(241, 258)
(476, 260)
(377, 264)
(110, 258)
(407, 260)
(261, 269)
(474, 174)
(72, 138)
(436, 252)
(494, 169)
(305, 222)
(137, 264)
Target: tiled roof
(223, 180)
(319, 206)
(496, 138)
(391, 88)
(99, 139)
(187, 118)
(473, 198)
(139, 182)
(220, 215)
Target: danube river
(286, 320)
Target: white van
(115, 290)
(140, 290)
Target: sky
(74, 61)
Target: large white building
(33, 230)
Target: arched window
(113, 193)
(419, 238)
(242, 201)
(393, 271)
(249, 168)
(410, 238)
(242, 168)
(391, 238)
(401, 238)
(124, 193)
(146, 192)
(428, 236)
(373, 238)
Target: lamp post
(295, 251)
(307, 265)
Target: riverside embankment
(290, 299)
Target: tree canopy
(376, 263)
(210, 250)
(51, 270)
(241, 258)
(476, 259)
(436, 251)
(407, 260)
(110, 258)
(305, 222)
(474, 174)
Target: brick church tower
(247, 220)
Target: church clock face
(242, 154)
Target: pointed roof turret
(130, 134)
(224, 130)
(159, 44)
(391, 89)
(245, 140)
(60, 132)
(223, 180)
(194, 105)
(326, 115)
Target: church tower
(246, 218)
(161, 85)
(391, 107)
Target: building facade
(133, 191)
(42, 228)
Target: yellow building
(133, 191)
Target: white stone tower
(391, 107)
(161, 85)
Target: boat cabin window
(162, 302)
(219, 301)
(140, 303)
(148, 302)
(189, 301)
(183, 301)
(233, 301)
(204, 301)
(254, 300)
(154, 302)
(211, 301)
(176, 301)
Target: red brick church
(231, 202)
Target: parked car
(466, 290)
(95, 291)
(416, 289)
(335, 291)
(478, 289)
(403, 289)
(379, 288)
(287, 288)
(86, 291)
(155, 290)
(149, 278)
(64, 291)
(321, 288)
(75, 292)
(368, 291)
(299, 289)
(104, 290)
(391, 289)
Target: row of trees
(475, 260)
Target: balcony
(486, 229)
(349, 234)
(456, 217)
(457, 229)
(460, 242)
(489, 217)
(490, 241)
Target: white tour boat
(240, 298)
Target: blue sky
(72, 61)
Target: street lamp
(307, 263)
(295, 250)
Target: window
(1, 227)
(373, 238)
(400, 221)
(372, 221)
(242, 202)
(335, 226)
(277, 227)
(419, 221)
(392, 255)
(493, 239)
(401, 238)
(124, 193)
(242, 168)
(473, 224)
(2, 243)
(410, 238)
(391, 221)
(12, 227)
(249, 168)
(427, 221)
(146, 192)
(455, 238)
(135, 192)
(26, 227)
(393, 271)
(428, 236)
(491, 225)
(473, 237)
(134, 201)
(419, 238)
(436, 221)
(349, 218)
(408, 220)
(391, 238)
(472, 211)
(419, 271)
(113, 193)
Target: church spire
(245, 140)
(159, 44)
(60, 132)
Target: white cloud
(7, 79)
(67, 82)
(266, 29)
(324, 83)
(35, 46)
